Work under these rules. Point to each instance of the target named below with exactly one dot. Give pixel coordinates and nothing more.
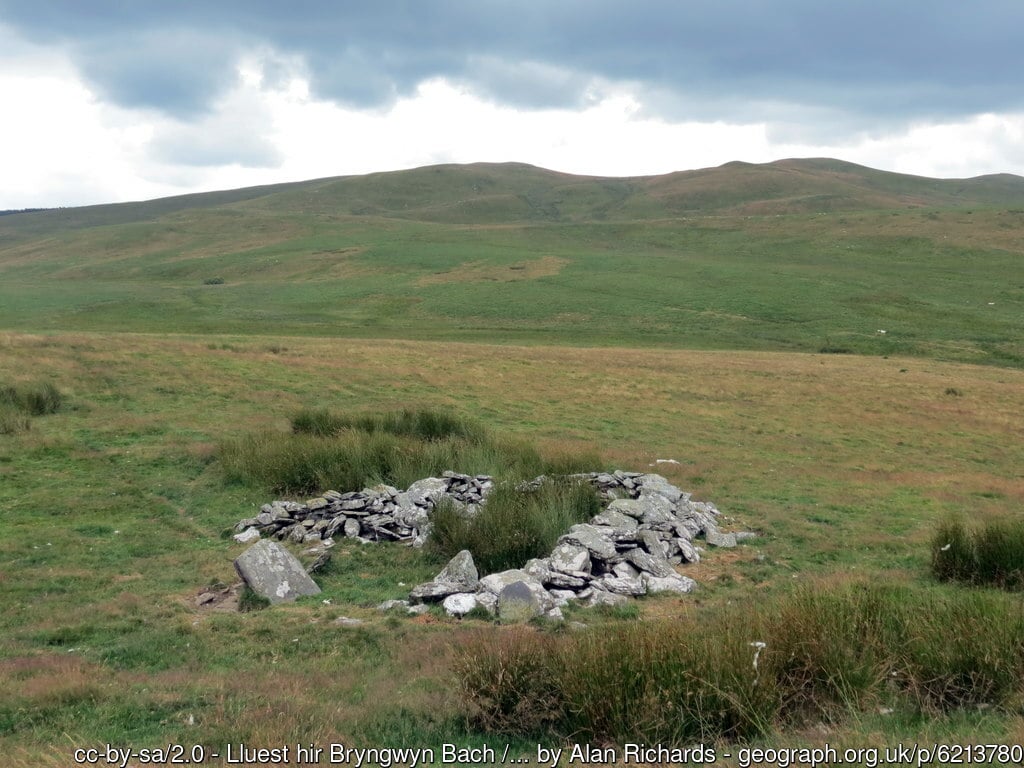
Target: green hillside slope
(796, 255)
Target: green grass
(628, 263)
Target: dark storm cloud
(695, 58)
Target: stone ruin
(646, 527)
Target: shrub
(514, 525)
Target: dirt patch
(218, 598)
(478, 272)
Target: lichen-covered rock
(274, 573)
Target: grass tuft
(992, 555)
(33, 399)
(514, 525)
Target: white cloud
(61, 145)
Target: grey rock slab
(272, 572)
(674, 583)
(418, 610)
(387, 605)
(629, 507)
(351, 528)
(427, 491)
(570, 558)
(615, 519)
(459, 604)
(592, 538)
(247, 536)
(632, 586)
(495, 582)
(433, 591)
(600, 597)
(688, 551)
(745, 535)
(656, 566)
(659, 485)
(522, 600)
(717, 539)
(318, 503)
(345, 621)
(625, 571)
(460, 570)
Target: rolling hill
(804, 255)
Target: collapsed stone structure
(646, 527)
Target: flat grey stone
(272, 572)
(570, 558)
(495, 582)
(615, 519)
(625, 571)
(387, 605)
(717, 539)
(433, 591)
(674, 583)
(426, 492)
(351, 527)
(659, 485)
(632, 586)
(656, 566)
(591, 538)
(745, 535)
(345, 621)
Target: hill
(792, 255)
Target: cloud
(934, 58)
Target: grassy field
(115, 509)
(679, 317)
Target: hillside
(792, 255)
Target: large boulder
(274, 573)
(523, 600)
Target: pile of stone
(647, 527)
(381, 513)
(629, 549)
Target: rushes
(993, 554)
(515, 525)
(830, 654)
(20, 402)
(345, 452)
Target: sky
(118, 100)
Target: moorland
(832, 354)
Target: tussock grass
(514, 525)
(830, 653)
(992, 554)
(424, 424)
(327, 450)
(37, 399)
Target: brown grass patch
(479, 271)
